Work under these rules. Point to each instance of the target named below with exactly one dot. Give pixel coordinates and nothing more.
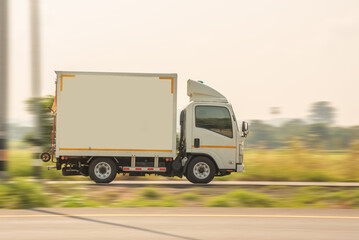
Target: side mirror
(245, 129)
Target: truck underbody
(140, 166)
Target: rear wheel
(102, 170)
(200, 170)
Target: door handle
(196, 142)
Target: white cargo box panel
(116, 114)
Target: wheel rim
(102, 170)
(201, 170)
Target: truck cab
(211, 142)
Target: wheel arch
(91, 159)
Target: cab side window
(215, 119)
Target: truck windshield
(215, 119)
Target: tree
(275, 110)
(322, 112)
(294, 128)
(46, 121)
(318, 135)
(263, 135)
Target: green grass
(148, 197)
(78, 201)
(150, 193)
(260, 165)
(21, 193)
(19, 164)
(288, 165)
(220, 201)
(189, 196)
(305, 197)
(242, 198)
(27, 193)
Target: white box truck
(125, 123)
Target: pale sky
(259, 54)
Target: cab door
(214, 133)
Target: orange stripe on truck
(207, 146)
(62, 80)
(113, 150)
(170, 78)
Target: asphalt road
(179, 223)
(185, 183)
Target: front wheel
(102, 170)
(200, 170)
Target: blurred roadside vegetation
(297, 150)
(311, 149)
(27, 193)
(261, 165)
(318, 131)
(46, 122)
(318, 136)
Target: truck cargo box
(116, 114)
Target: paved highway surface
(179, 223)
(219, 183)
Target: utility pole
(3, 85)
(36, 82)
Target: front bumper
(239, 167)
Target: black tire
(208, 168)
(102, 170)
(45, 157)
